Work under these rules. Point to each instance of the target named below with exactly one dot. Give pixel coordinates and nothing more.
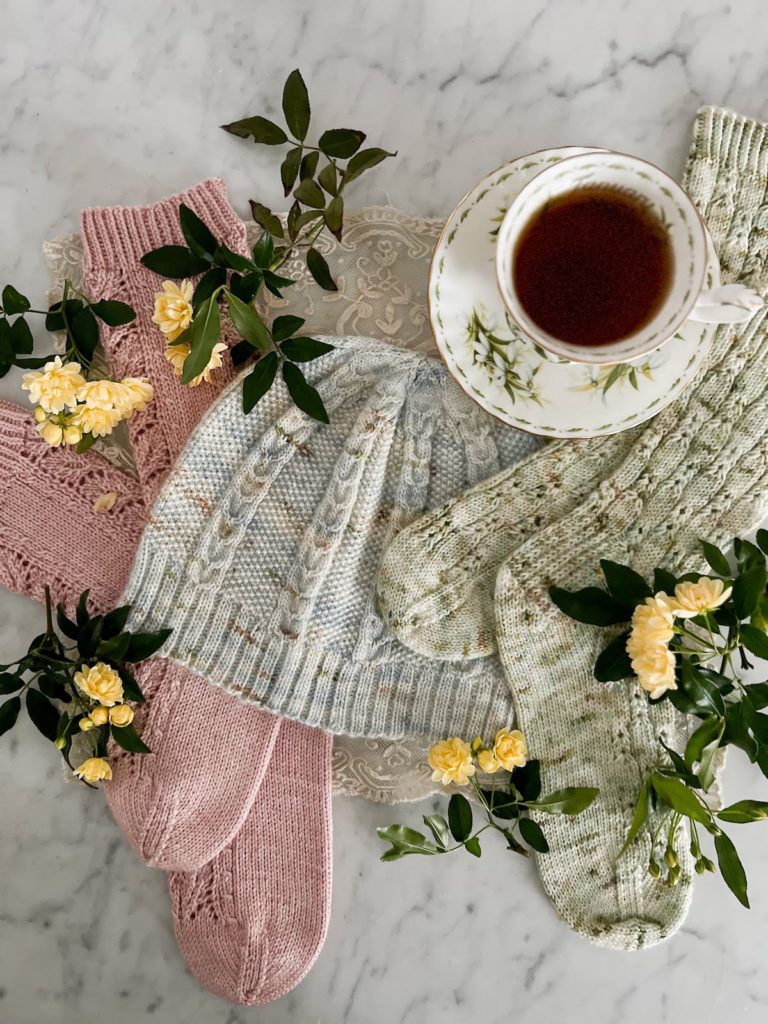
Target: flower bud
(86, 724)
(700, 866)
(670, 858)
(99, 716)
(59, 743)
(40, 414)
(653, 868)
(121, 715)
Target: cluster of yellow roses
(455, 760)
(68, 407)
(101, 684)
(653, 626)
(173, 315)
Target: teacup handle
(728, 304)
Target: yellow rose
(173, 308)
(94, 769)
(86, 724)
(100, 683)
(72, 434)
(121, 715)
(55, 386)
(703, 596)
(487, 761)
(655, 669)
(95, 420)
(451, 761)
(99, 716)
(105, 394)
(51, 433)
(140, 393)
(509, 749)
(177, 356)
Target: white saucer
(501, 369)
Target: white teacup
(686, 298)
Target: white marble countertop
(119, 102)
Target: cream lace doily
(381, 267)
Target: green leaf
(473, 846)
(10, 683)
(228, 258)
(247, 286)
(699, 688)
(329, 179)
(459, 817)
(307, 217)
(309, 193)
(203, 335)
(289, 169)
(363, 161)
(731, 868)
(320, 271)
(747, 555)
(706, 771)
(304, 395)
(663, 581)
(274, 282)
(9, 712)
(85, 331)
(744, 811)
(293, 219)
(531, 832)
(21, 337)
(33, 364)
(308, 165)
(81, 613)
(680, 798)
(716, 559)
(591, 605)
(197, 234)
(755, 640)
(88, 441)
(758, 695)
(259, 129)
(284, 326)
(303, 350)
(53, 687)
(502, 804)
(174, 261)
(527, 780)
(570, 800)
(334, 216)
(263, 251)
(65, 624)
(438, 826)
(89, 636)
(762, 539)
(709, 730)
(127, 738)
(113, 313)
(639, 818)
(210, 281)
(341, 143)
(626, 585)
(54, 320)
(44, 715)
(747, 588)
(131, 688)
(144, 645)
(248, 323)
(259, 381)
(613, 662)
(404, 841)
(114, 649)
(266, 219)
(296, 104)
(13, 301)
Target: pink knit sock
(252, 922)
(183, 803)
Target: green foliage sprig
(709, 649)
(227, 277)
(506, 806)
(45, 678)
(75, 316)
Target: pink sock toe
(253, 921)
(184, 803)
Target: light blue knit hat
(263, 547)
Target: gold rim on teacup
(673, 208)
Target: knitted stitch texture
(263, 546)
(700, 468)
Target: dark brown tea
(593, 266)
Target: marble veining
(120, 103)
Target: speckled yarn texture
(263, 546)
(473, 577)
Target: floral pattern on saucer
(502, 369)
